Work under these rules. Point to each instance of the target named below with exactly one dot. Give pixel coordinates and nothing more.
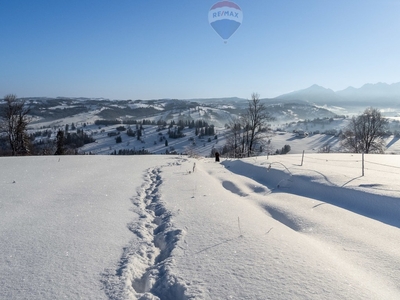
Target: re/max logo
(226, 14)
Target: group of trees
(67, 142)
(248, 131)
(14, 120)
(285, 150)
(364, 133)
(130, 122)
(175, 133)
(208, 130)
(130, 152)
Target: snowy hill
(49, 112)
(175, 227)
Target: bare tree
(235, 140)
(365, 133)
(256, 119)
(14, 121)
(250, 130)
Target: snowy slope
(63, 220)
(173, 227)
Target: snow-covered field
(174, 227)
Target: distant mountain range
(377, 94)
(368, 94)
(315, 102)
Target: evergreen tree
(130, 132)
(60, 143)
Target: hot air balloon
(225, 17)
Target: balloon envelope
(225, 17)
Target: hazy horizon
(222, 97)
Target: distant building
(302, 133)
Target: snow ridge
(379, 207)
(146, 267)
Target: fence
(371, 162)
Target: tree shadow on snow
(393, 141)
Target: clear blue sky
(150, 49)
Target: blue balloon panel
(225, 28)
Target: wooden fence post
(363, 164)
